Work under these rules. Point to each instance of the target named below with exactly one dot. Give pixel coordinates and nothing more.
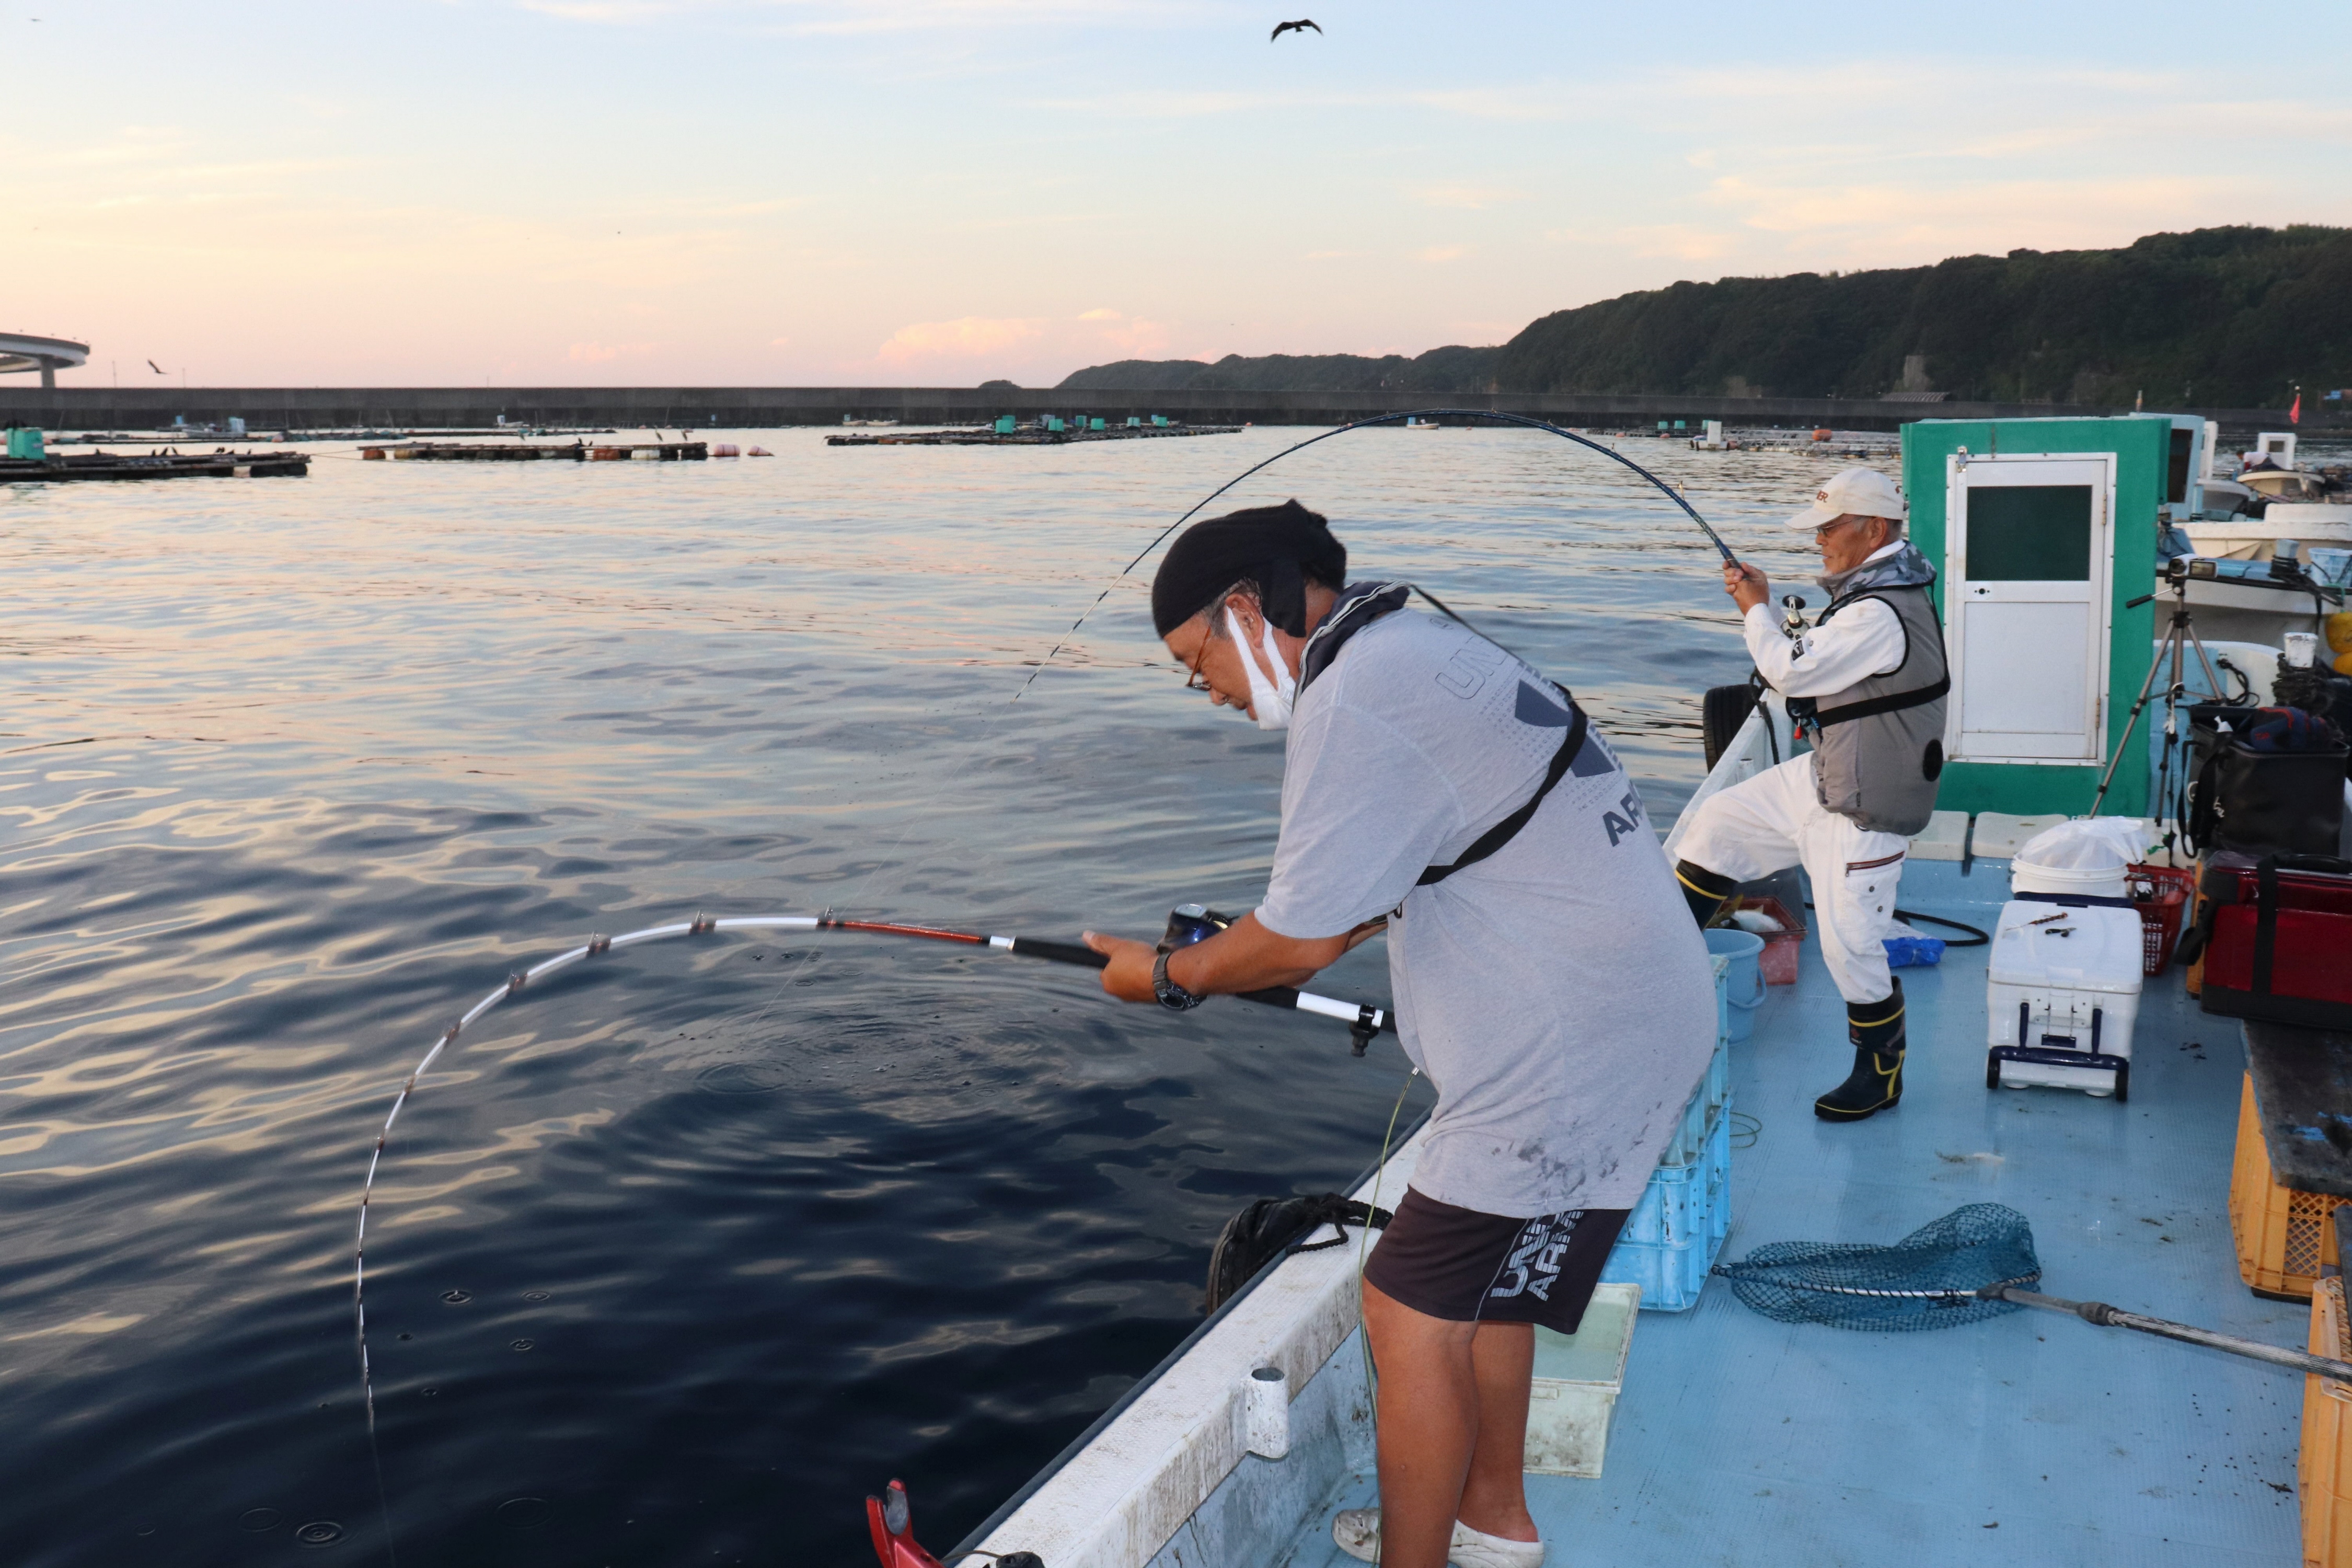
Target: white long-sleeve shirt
(1862, 640)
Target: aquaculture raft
(1028, 437)
(221, 465)
(523, 452)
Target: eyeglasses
(1822, 532)
(1195, 681)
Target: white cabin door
(2027, 554)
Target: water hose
(1521, 420)
(1974, 939)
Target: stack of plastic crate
(2324, 1470)
(2284, 1237)
(1671, 1238)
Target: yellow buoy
(2339, 631)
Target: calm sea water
(677, 1257)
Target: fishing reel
(1792, 615)
(1189, 923)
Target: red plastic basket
(1777, 962)
(2170, 888)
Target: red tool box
(2276, 931)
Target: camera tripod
(2178, 638)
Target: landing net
(1934, 1277)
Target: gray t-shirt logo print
(1535, 708)
(1465, 673)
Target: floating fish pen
(157, 466)
(173, 437)
(524, 452)
(1050, 432)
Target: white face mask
(1269, 699)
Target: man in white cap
(1868, 683)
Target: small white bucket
(2083, 881)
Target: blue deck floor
(2032, 1438)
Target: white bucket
(2083, 881)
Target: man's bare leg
(1494, 1498)
(1453, 1429)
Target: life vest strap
(1870, 707)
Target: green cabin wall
(2142, 448)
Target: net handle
(1997, 1290)
(2108, 1317)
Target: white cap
(1857, 492)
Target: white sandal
(1356, 1532)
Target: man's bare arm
(1246, 956)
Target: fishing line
(1364, 1245)
(1521, 420)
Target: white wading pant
(1776, 820)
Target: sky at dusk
(939, 191)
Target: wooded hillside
(2220, 316)
(2217, 317)
(1440, 370)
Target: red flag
(2295, 415)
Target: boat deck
(2031, 1438)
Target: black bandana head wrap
(1281, 548)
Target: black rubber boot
(1708, 891)
(1876, 1083)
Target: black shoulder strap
(1893, 702)
(1503, 832)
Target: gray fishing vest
(1878, 745)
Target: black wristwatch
(1171, 995)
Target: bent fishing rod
(1188, 924)
(1523, 421)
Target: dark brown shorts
(1468, 1267)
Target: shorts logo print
(1533, 1264)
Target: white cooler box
(2062, 995)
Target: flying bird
(158, 369)
(1282, 27)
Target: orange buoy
(1823, 435)
(759, 452)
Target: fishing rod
(1523, 421)
(1188, 924)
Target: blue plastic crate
(1671, 1238)
(1722, 966)
(1710, 1104)
(1671, 1277)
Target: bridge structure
(22, 351)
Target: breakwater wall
(752, 407)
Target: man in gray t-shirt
(1547, 980)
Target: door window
(2030, 533)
